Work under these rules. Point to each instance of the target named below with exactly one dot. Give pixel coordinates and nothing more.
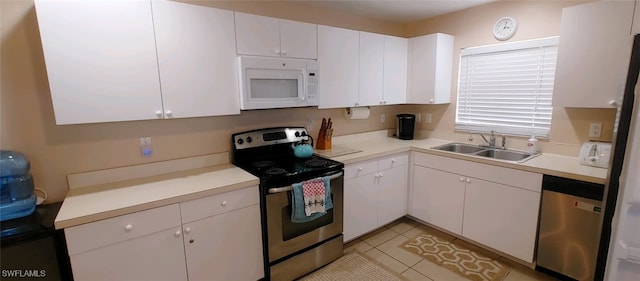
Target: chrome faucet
(491, 141)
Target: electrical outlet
(595, 130)
(418, 119)
(309, 125)
(146, 150)
(145, 141)
(427, 117)
(383, 118)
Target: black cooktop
(267, 153)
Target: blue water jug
(17, 197)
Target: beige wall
(27, 123)
(472, 27)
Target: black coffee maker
(405, 126)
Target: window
(507, 87)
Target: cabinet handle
(380, 175)
(177, 233)
(187, 230)
(159, 114)
(277, 52)
(613, 103)
(359, 169)
(393, 161)
(468, 180)
(430, 100)
(461, 179)
(169, 114)
(283, 53)
(128, 228)
(224, 203)
(191, 241)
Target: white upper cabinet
(371, 69)
(108, 60)
(383, 69)
(430, 67)
(365, 69)
(266, 36)
(196, 57)
(101, 60)
(593, 55)
(394, 87)
(338, 57)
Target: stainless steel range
(291, 249)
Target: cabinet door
(438, 198)
(157, 256)
(100, 59)
(361, 204)
(257, 35)
(394, 88)
(298, 39)
(392, 194)
(593, 54)
(338, 52)
(225, 247)
(196, 57)
(431, 64)
(371, 69)
(502, 217)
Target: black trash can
(405, 126)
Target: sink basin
(493, 153)
(509, 155)
(460, 148)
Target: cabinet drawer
(110, 231)
(220, 203)
(393, 161)
(360, 169)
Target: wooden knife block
(324, 139)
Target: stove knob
(297, 134)
(240, 141)
(304, 133)
(249, 139)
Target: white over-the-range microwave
(277, 82)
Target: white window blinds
(507, 87)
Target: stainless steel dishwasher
(568, 230)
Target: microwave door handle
(303, 94)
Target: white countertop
(372, 145)
(106, 200)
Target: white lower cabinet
(494, 206)
(375, 193)
(224, 243)
(438, 198)
(502, 217)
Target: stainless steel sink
(508, 155)
(493, 153)
(460, 147)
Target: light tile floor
(383, 245)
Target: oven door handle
(288, 188)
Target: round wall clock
(505, 28)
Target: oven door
(286, 237)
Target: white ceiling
(401, 11)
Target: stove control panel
(271, 136)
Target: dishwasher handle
(573, 187)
